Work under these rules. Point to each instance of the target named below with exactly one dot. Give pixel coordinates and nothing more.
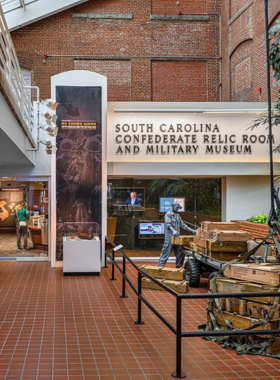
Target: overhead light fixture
(50, 103)
(50, 148)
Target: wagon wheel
(192, 273)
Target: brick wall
(117, 73)
(131, 52)
(243, 32)
(236, 5)
(188, 81)
(184, 6)
(241, 71)
(257, 230)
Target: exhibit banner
(187, 137)
(78, 158)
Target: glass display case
(81, 231)
(81, 248)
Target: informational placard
(187, 137)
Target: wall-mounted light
(51, 129)
(50, 148)
(50, 103)
(50, 117)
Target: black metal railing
(179, 297)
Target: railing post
(139, 322)
(178, 373)
(123, 280)
(113, 266)
(105, 258)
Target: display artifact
(173, 223)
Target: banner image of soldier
(78, 159)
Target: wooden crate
(227, 285)
(263, 274)
(202, 233)
(227, 246)
(182, 240)
(196, 247)
(149, 284)
(223, 256)
(221, 246)
(274, 348)
(224, 235)
(242, 323)
(259, 310)
(177, 286)
(235, 305)
(222, 303)
(209, 226)
(232, 305)
(164, 272)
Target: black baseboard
(81, 273)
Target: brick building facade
(150, 50)
(155, 50)
(243, 52)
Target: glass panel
(134, 202)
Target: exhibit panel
(80, 169)
(79, 157)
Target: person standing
(21, 216)
(173, 223)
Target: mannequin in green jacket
(21, 217)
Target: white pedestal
(81, 256)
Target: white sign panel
(185, 137)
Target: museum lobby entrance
(32, 195)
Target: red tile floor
(55, 327)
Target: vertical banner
(78, 158)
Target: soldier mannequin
(173, 223)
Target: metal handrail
(179, 297)
(12, 75)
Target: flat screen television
(165, 203)
(150, 229)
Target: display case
(81, 248)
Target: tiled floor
(55, 327)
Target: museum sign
(136, 137)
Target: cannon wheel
(192, 273)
